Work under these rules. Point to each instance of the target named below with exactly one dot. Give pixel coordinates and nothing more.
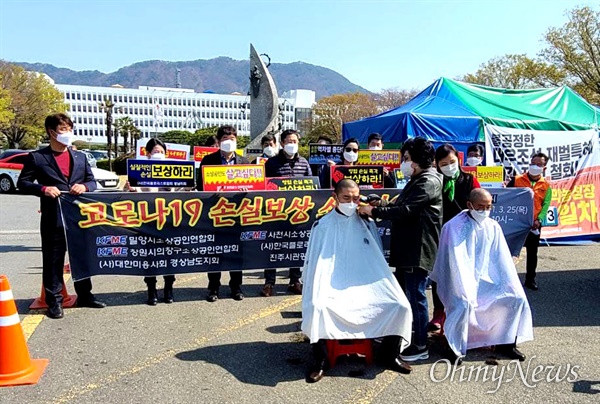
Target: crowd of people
(440, 231)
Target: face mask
(407, 169)
(480, 215)
(348, 209)
(350, 156)
(473, 161)
(450, 170)
(228, 146)
(375, 148)
(157, 156)
(65, 138)
(535, 170)
(291, 148)
(270, 151)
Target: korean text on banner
(239, 177)
(174, 151)
(160, 173)
(573, 170)
(145, 234)
(387, 158)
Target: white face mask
(350, 156)
(450, 170)
(65, 138)
(228, 146)
(157, 156)
(270, 151)
(375, 148)
(480, 215)
(291, 148)
(348, 209)
(535, 170)
(407, 169)
(473, 161)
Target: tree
(575, 48)
(176, 136)
(107, 105)
(390, 98)
(126, 127)
(516, 71)
(329, 113)
(26, 99)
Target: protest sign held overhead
(239, 177)
(322, 153)
(174, 151)
(292, 183)
(160, 173)
(386, 158)
(367, 177)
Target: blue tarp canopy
(455, 112)
(435, 114)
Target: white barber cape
(349, 289)
(479, 286)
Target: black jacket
(214, 159)
(462, 188)
(41, 166)
(281, 166)
(416, 221)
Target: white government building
(156, 110)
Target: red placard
(202, 151)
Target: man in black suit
(47, 173)
(227, 138)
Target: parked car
(106, 180)
(12, 152)
(90, 158)
(98, 154)
(10, 168)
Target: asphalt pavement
(252, 351)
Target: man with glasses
(478, 284)
(288, 163)
(542, 196)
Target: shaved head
(345, 184)
(479, 195)
(480, 199)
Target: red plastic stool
(336, 348)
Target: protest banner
(488, 177)
(367, 177)
(573, 170)
(202, 151)
(238, 177)
(389, 159)
(174, 151)
(147, 234)
(322, 153)
(160, 173)
(292, 183)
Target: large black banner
(179, 232)
(162, 233)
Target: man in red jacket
(47, 173)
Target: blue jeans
(414, 282)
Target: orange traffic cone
(68, 300)
(16, 367)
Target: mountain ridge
(220, 75)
